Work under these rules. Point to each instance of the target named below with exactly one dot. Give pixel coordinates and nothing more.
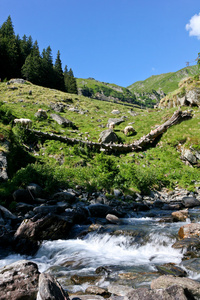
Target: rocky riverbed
(80, 245)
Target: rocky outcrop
(32, 231)
(19, 281)
(188, 94)
(49, 288)
(171, 293)
(22, 280)
(189, 156)
(166, 281)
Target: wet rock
(113, 219)
(166, 281)
(166, 220)
(189, 230)
(180, 216)
(158, 204)
(94, 227)
(171, 293)
(137, 206)
(192, 264)
(77, 279)
(95, 290)
(100, 210)
(190, 202)
(49, 288)
(88, 297)
(119, 290)
(172, 206)
(191, 245)
(32, 231)
(19, 281)
(103, 270)
(108, 136)
(171, 269)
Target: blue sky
(115, 41)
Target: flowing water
(127, 254)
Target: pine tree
(26, 46)
(58, 74)
(8, 50)
(47, 67)
(31, 69)
(70, 81)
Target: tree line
(21, 58)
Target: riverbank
(105, 246)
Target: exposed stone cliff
(188, 94)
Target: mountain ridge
(146, 93)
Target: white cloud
(194, 26)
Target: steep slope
(54, 164)
(167, 82)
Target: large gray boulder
(31, 232)
(166, 281)
(108, 136)
(190, 202)
(17, 80)
(193, 97)
(171, 293)
(62, 121)
(116, 121)
(50, 289)
(19, 280)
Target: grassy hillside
(167, 82)
(106, 91)
(54, 164)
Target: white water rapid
(138, 247)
